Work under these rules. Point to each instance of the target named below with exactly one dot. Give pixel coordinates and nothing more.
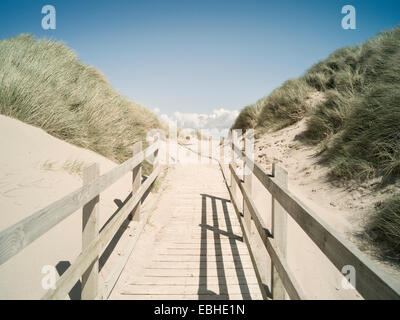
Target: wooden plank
(257, 270)
(279, 232)
(90, 230)
(74, 272)
(18, 236)
(112, 279)
(247, 178)
(199, 145)
(149, 152)
(136, 181)
(371, 281)
(246, 264)
(234, 141)
(211, 259)
(180, 280)
(293, 288)
(156, 161)
(188, 289)
(252, 296)
(222, 151)
(211, 272)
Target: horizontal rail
(292, 287)
(371, 282)
(21, 234)
(65, 283)
(246, 235)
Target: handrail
(371, 282)
(18, 236)
(290, 282)
(65, 283)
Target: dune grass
(384, 226)
(361, 119)
(357, 124)
(43, 83)
(248, 117)
(284, 106)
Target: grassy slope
(357, 124)
(43, 83)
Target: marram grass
(43, 83)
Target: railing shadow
(62, 266)
(75, 293)
(113, 243)
(218, 234)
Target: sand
(35, 170)
(344, 206)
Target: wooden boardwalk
(192, 247)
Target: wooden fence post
(199, 145)
(155, 154)
(247, 181)
(90, 231)
(234, 141)
(136, 181)
(278, 230)
(210, 150)
(222, 152)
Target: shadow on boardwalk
(217, 233)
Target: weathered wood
(222, 151)
(234, 138)
(293, 288)
(136, 181)
(112, 279)
(208, 257)
(90, 230)
(247, 178)
(18, 236)
(371, 281)
(156, 160)
(210, 150)
(279, 231)
(152, 148)
(246, 238)
(74, 272)
(199, 145)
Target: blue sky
(197, 56)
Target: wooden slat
(149, 152)
(293, 288)
(18, 236)
(246, 236)
(112, 279)
(73, 273)
(278, 231)
(136, 181)
(247, 180)
(90, 230)
(371, 281)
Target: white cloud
(219, 119)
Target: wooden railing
(371, 282)
(17, 237)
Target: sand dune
(344, 206)
(35, 170)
